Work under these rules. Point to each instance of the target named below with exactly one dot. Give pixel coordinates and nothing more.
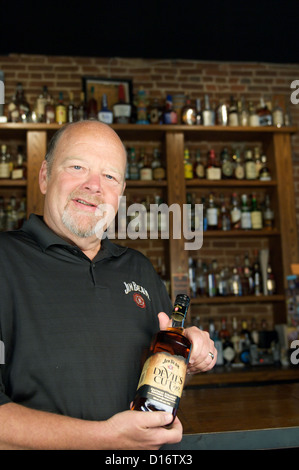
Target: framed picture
(109, 86)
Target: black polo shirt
(74, 330)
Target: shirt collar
(45, 237)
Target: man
(73, 332)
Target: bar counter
(242, 415)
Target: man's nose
(93, 183)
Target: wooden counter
(242, 416)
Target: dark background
(244, 30)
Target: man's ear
(43, 178)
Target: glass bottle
(188, 167)
(212, 214)
(233, 118)
(213, 277)
(163, 375)
(227, 166)
(40, 104)
(268, 214)
(199, 168)
(250, 168)
(2, 215)
(253, 116)
(222, 114)
(71, 109)
(245, 213)
(271, 283)
(60, 110)
(188, 113)
(170, 115)
(243, 113)
(4, 163)
(82, 109)
(198, 112)
(213, 170)
(235, 212)
(257, 277)
(122, 110)
(239, 169)
(49, 110)
(92, 106)
(277, 115)
(157, 167)
(146, 172)
(19, 108)
(257, 159)
(256, 214)
(19, 168)
(264, 174)
(208, 114)
(264, 114)
(105, 114)
(133, 166)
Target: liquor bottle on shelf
(19, 108)
(198, 112)
(257, 277)
(239, 169)
(264, 174)
(264, 114)
(201, 272)
(122, 110)
(212, 214)
(250, 168)
(221, 115)
(253, 116)
(233, 118)
(235, 212)
(60, 110)
(247, 281)
(224, 219)
(208, 114)
(192, 276)
(168, 357)
(5, 166)
(146, 172)
(256, 214)
(11, 214)
(213, 170)
(40, 104)
(227, 166)
(271, 283)
(71, 109)
(213, 278)
(199, 169)
(188, 167)
(243, 113)
(245, 213)
(235, 338)
(21, 213)
(277, 115)
(155, 112)
(170, 115)
(268, 214)
(49, 110)
(157, 167)
(188, 113)
(257, 159)
(82, 109)
(236, 283)
(133, 165)
(92, 106)
(105, 114)
(19, 168)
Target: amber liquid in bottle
(162, 378)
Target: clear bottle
(253, 116)
(212, 214)
(213, 278)
(239, 169)
(224, 219)
(264, 174)
(49, 110)
(163, 375)
(235, 212)
(222, 114)
(257, 277)
(243, 113)
(105, 114)
(198, 112)
(233, 118)
(40, 104)
(122, 110)
(257, 159)
(188, 113)
(208, 114)
(5, 166)
(278, 116)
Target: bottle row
(243, 212)
(12, 165)
(227, 165)
(12, 213)
(249, 278)
(145, 165)
(254, 345)
(176, 109)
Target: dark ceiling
(251, 30)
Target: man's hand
(138, 430)
(203, 353)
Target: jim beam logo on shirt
(138, 290)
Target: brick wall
(158, 78)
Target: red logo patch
(139, 300)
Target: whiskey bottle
(213, 170)
(163, 375)
(199, 168)
(208, 114)
(49, 110)
(256, 214)
(60, 110)
(233, 118)
(226, 164)
(105, 114)
(250, 167)
(188, 167)
(188, 114)
(264, 114)
(71, 109)
(157, 167)
(4, 163)
(40, 104)
(92, 106)
(121, 110)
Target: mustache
(91, 199)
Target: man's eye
(77, 167)
(109, 177)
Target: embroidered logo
(132, 286)
(139, 300)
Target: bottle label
(163, 378)
(159, 173)
(246, 220)
(214, 173)
(146, 174)
(256, 219)
(200, 171)
(120, 110)
(4, 170)
(212, 216)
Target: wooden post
(36, 151)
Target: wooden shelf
(230, 183)
(9, 182)
(240, 233)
